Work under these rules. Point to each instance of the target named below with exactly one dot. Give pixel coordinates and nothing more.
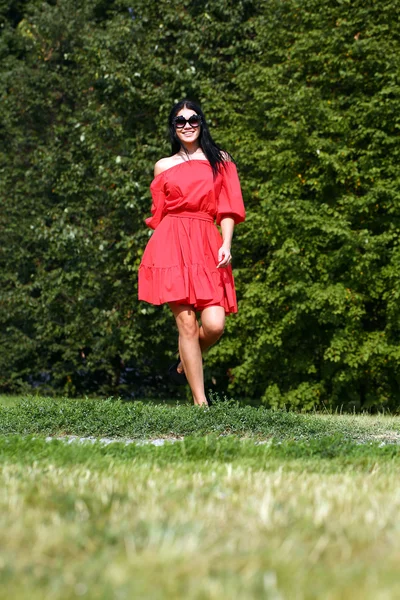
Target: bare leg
(211, 329)
(212, 326)
(189, 349)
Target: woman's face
(188, 134)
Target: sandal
(177, 378)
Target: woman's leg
(211, 329)
(212, 326)
(189, 349)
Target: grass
(48, 416)
(206, 518)
(6, 400)
(306, 513)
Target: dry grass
(197, 530)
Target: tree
(303, 94)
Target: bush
(304, 95)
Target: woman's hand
(224, 253)
(224, 257)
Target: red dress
(180, 261)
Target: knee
(214, 329)
(188, 329)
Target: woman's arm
(224, 253)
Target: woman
(186, 263)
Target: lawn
(252, 504)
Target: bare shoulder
(226, 156)
(163, 164)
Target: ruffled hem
(196, 285)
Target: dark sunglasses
(180, 122)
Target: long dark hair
(215, 155)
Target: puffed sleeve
(158, 196)
(230, 200)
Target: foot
(203, 402)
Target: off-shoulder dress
(179, 263)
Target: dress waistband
(203, 216)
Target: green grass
(338, 451)
(6, 400)
(311, 511)
(48, 416)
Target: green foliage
(306, 97)
(319, 272)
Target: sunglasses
(180, 122)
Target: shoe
(177, 378)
